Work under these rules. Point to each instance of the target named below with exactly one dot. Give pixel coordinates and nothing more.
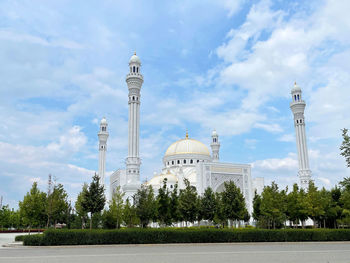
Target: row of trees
(172, 207)
(327, 208)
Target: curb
(14, 244)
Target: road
(174, 253)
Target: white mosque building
(189, 158)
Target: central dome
(187, 146)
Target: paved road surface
(180, 253)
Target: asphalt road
(180, 253)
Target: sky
(227, 65)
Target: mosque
(189, 158)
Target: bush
(34, 240)
(19, 238)
(180, 235)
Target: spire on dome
(186, 134)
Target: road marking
(180, 253)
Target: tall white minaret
(102, 138)
(298, 106)
(134, 80)
(215, 146)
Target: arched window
(133, 97)
(301, 121)
(178, 161)
(191, 161)
(197, 161)
(297, 121)
(184, 161)
(172, 162)
(295, 97)
(298, 97)
(133, 69)
(137, 69)
(137, 98)
(171, 186)
(130, 69)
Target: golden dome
(187, 146)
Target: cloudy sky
(227, 64)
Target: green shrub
(34, 240)
(19, 238)
(182, 235)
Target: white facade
(190, 159)
(102, 138)
(298, 106)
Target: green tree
(129, 214)
(79, 208)
(94, 199)
(188, 204)
(297, 206)
(114, 215)
(256, 207)
(33, 207)
(174, 205)
(273, 205)
(145, 205)
(315, 207)
(57, 205)
(5, 217)
(163, 205)
(219, 217)
(208, 205)
(345, 146)
(233, 202)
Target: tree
(79, 208)
(315, 208)
(114, 215)
(57, 205)
(145, 205)
(129, 214)
(208, 205)
(174, 205)
(163, 205)
(256, 206)
(273, 206)
(188, 205)
(94, 199)
(297, 206)
(233, 202)
(345, 146)
(5, 217)
(33, 207)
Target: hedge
(173, 235)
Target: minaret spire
(215, 146)
(298, 106)
(102, 138)
(134, 81)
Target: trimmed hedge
(174, 235)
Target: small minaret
(102, 138)
(215, 146)
(134, 81)
(298, 106)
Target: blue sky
(227, 64)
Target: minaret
(298, 106)
(134, 80)
(215, 146)
(102, 138)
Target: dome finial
(135, 52)
(186, 133)
(295, 83)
